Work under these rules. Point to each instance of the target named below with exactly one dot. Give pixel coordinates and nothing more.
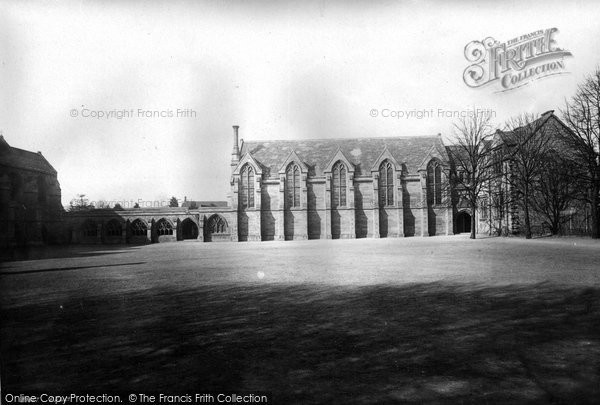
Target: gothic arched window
(113, 228)
(339, 185)
(386, 184)
(434, 182)
(292, 186)
(164, 228)
(138, 228)
(217, 224)
(247, 187)
(89, 228)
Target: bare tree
(555, 191)
(500, 193)
(472, 156)
(528, 144)
(582, 115)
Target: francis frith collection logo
(514, 63)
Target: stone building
(150, 225)
(283, 190)
(30, 199)
(340, 188)
(500, 207)
(309, 189)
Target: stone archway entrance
(189, 229)
(463, 222)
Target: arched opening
(138, 232)
(434, 196)
(245, 200)
(113, 231)
(88, 232)
(338, 192)
(89, 229)
(463, 222)
(189, 229)
(138, 228)
(292, 199)
(113, 228)
(292, 186)
(386, 195)
(164, 231)
(246, 191)
(338, 198)
(386, 184)
(215, 229)
(434, 183)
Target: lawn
(422, 320)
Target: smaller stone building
(30, 198)
(500, 209)
(150, 225)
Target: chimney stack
(235, 154)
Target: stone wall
(30, 208)
(362, 218)
(91, 226)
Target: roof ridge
(542, 118)
(346, 139)
(26, 159)
(24, 150)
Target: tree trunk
(527, 222)
(526, 212)
(595, 213)
(555, 225)
(500, 226)
(473, 222)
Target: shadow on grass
(62, 251)
(422, 343)
(55, 269)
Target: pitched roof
(23, 159)
(188, 203)
(511, 137)
(362, 152)
(457, 153)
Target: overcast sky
(278, 69)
